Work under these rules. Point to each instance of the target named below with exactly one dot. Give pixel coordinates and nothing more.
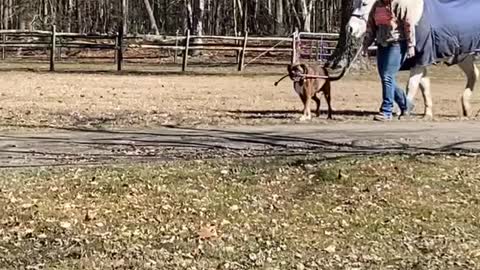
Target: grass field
(383, 212)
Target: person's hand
(365, 51)
(411, 52)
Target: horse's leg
(471, 71)
(414, 81)
(427, 96)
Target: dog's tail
(339, 76)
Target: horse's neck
(412, 9)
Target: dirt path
(69, 146)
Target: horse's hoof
(305, 118)
(428, 117)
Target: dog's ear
(289, 68)
(304, 68)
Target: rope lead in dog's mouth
(345, 71)
(281, 79)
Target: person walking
(395, 39)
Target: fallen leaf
(119, 263)
(207, 232)
(475, 253)
(26, 205)
(225, 222)
(330, 249)
(89, 216)
(65, 225)
(229, 249)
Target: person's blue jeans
(389, 61)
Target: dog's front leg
(307, 114)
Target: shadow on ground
(66, 146)
(287, 114)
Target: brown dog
(308, 81)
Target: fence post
(294, 47)
(241, 63)
(176, 48)
(185, 51)
(115, 50)
(237, 52)
(120, 48)
(311, 48)
(322, 50)
(53, 48)
(4, 41)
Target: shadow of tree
(284, 114)
(174, 142)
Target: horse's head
(357, 25)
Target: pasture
(248, 187)
(140, 100)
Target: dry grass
(372, 213)
(139, 100)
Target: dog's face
(296, 71)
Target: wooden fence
(313, 46)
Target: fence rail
(305, 45)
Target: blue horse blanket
(448, 28)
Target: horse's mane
(411, 9)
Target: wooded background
(202, 17)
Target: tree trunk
(255, 16)
(6, 15)
(245, 17)
(125, 16)
(2, 10)
(307, 17)
(198, 29)
(189, 18)
(279, 27)
(22, 23)
(69, 15)
(240, 10)
(153, 23)
(235, 23)
(216, 19)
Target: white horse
(413, 9)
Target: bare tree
(279, 28)
(307, 14)
(151, 17)
(198, 21)
(264, 17)
(125, 16)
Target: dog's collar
(298, 78)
